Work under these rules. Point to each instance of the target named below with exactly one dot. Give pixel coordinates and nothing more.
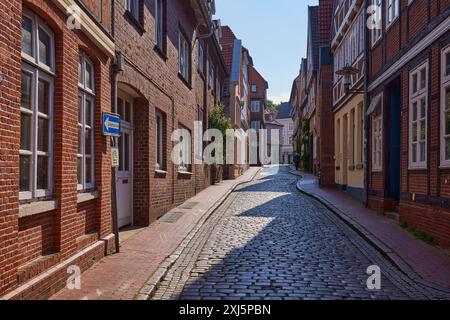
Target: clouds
(281, 97)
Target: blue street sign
(111, 124)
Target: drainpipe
(366, 100)
(115, 71)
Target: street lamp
(347, 72)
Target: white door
(124, 173)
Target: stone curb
(393, 257)
(152, 284)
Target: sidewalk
(411, 255)
(121, 276)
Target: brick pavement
(122, 275)
(430, 263)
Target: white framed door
(124, 173)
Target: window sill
(160, 52)
(87, 196)
(34, 208)
(186, 82)
(185, 173)
(134, 21)
(418, 168)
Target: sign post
(111, 124)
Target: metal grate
(171, 217)
(188, 205)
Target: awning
(376, 102)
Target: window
(133, 8)
(217, 90)
(392, 11)
(254, 88)
(211, 74)
(418, 106)
(445, 108)
(185, 151)
(376, 26)
(377, 138)
(201, 58)
(184, 57)
(159, 141)
(86, 102)
(160, 21)
(255, 106)
(256, 125)
(36, 120)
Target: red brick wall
(154, 77)
(326, 120)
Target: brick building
(348, 99)
(319, 81)
(157, 63)
(409, 85)
(258, 103)
(236, 95)
(298, 101)
(171, 75)
(284, 117)
(55, 166)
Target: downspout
(366, 100)
(115, 70)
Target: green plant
(217, 119)
(272, 105)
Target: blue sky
(275, 33)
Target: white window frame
(415, 98)
(38, 70)
(392, 12)
(159, 24)
(184, 56)
(86, 92)
(445, 84)
(133, 8)
(38, 23)
(256, 125)
(254, 88)
(255, 106)
(377, 137)
(159, 124)
(376, 33)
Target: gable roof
(284, 111)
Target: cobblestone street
(267, 241)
